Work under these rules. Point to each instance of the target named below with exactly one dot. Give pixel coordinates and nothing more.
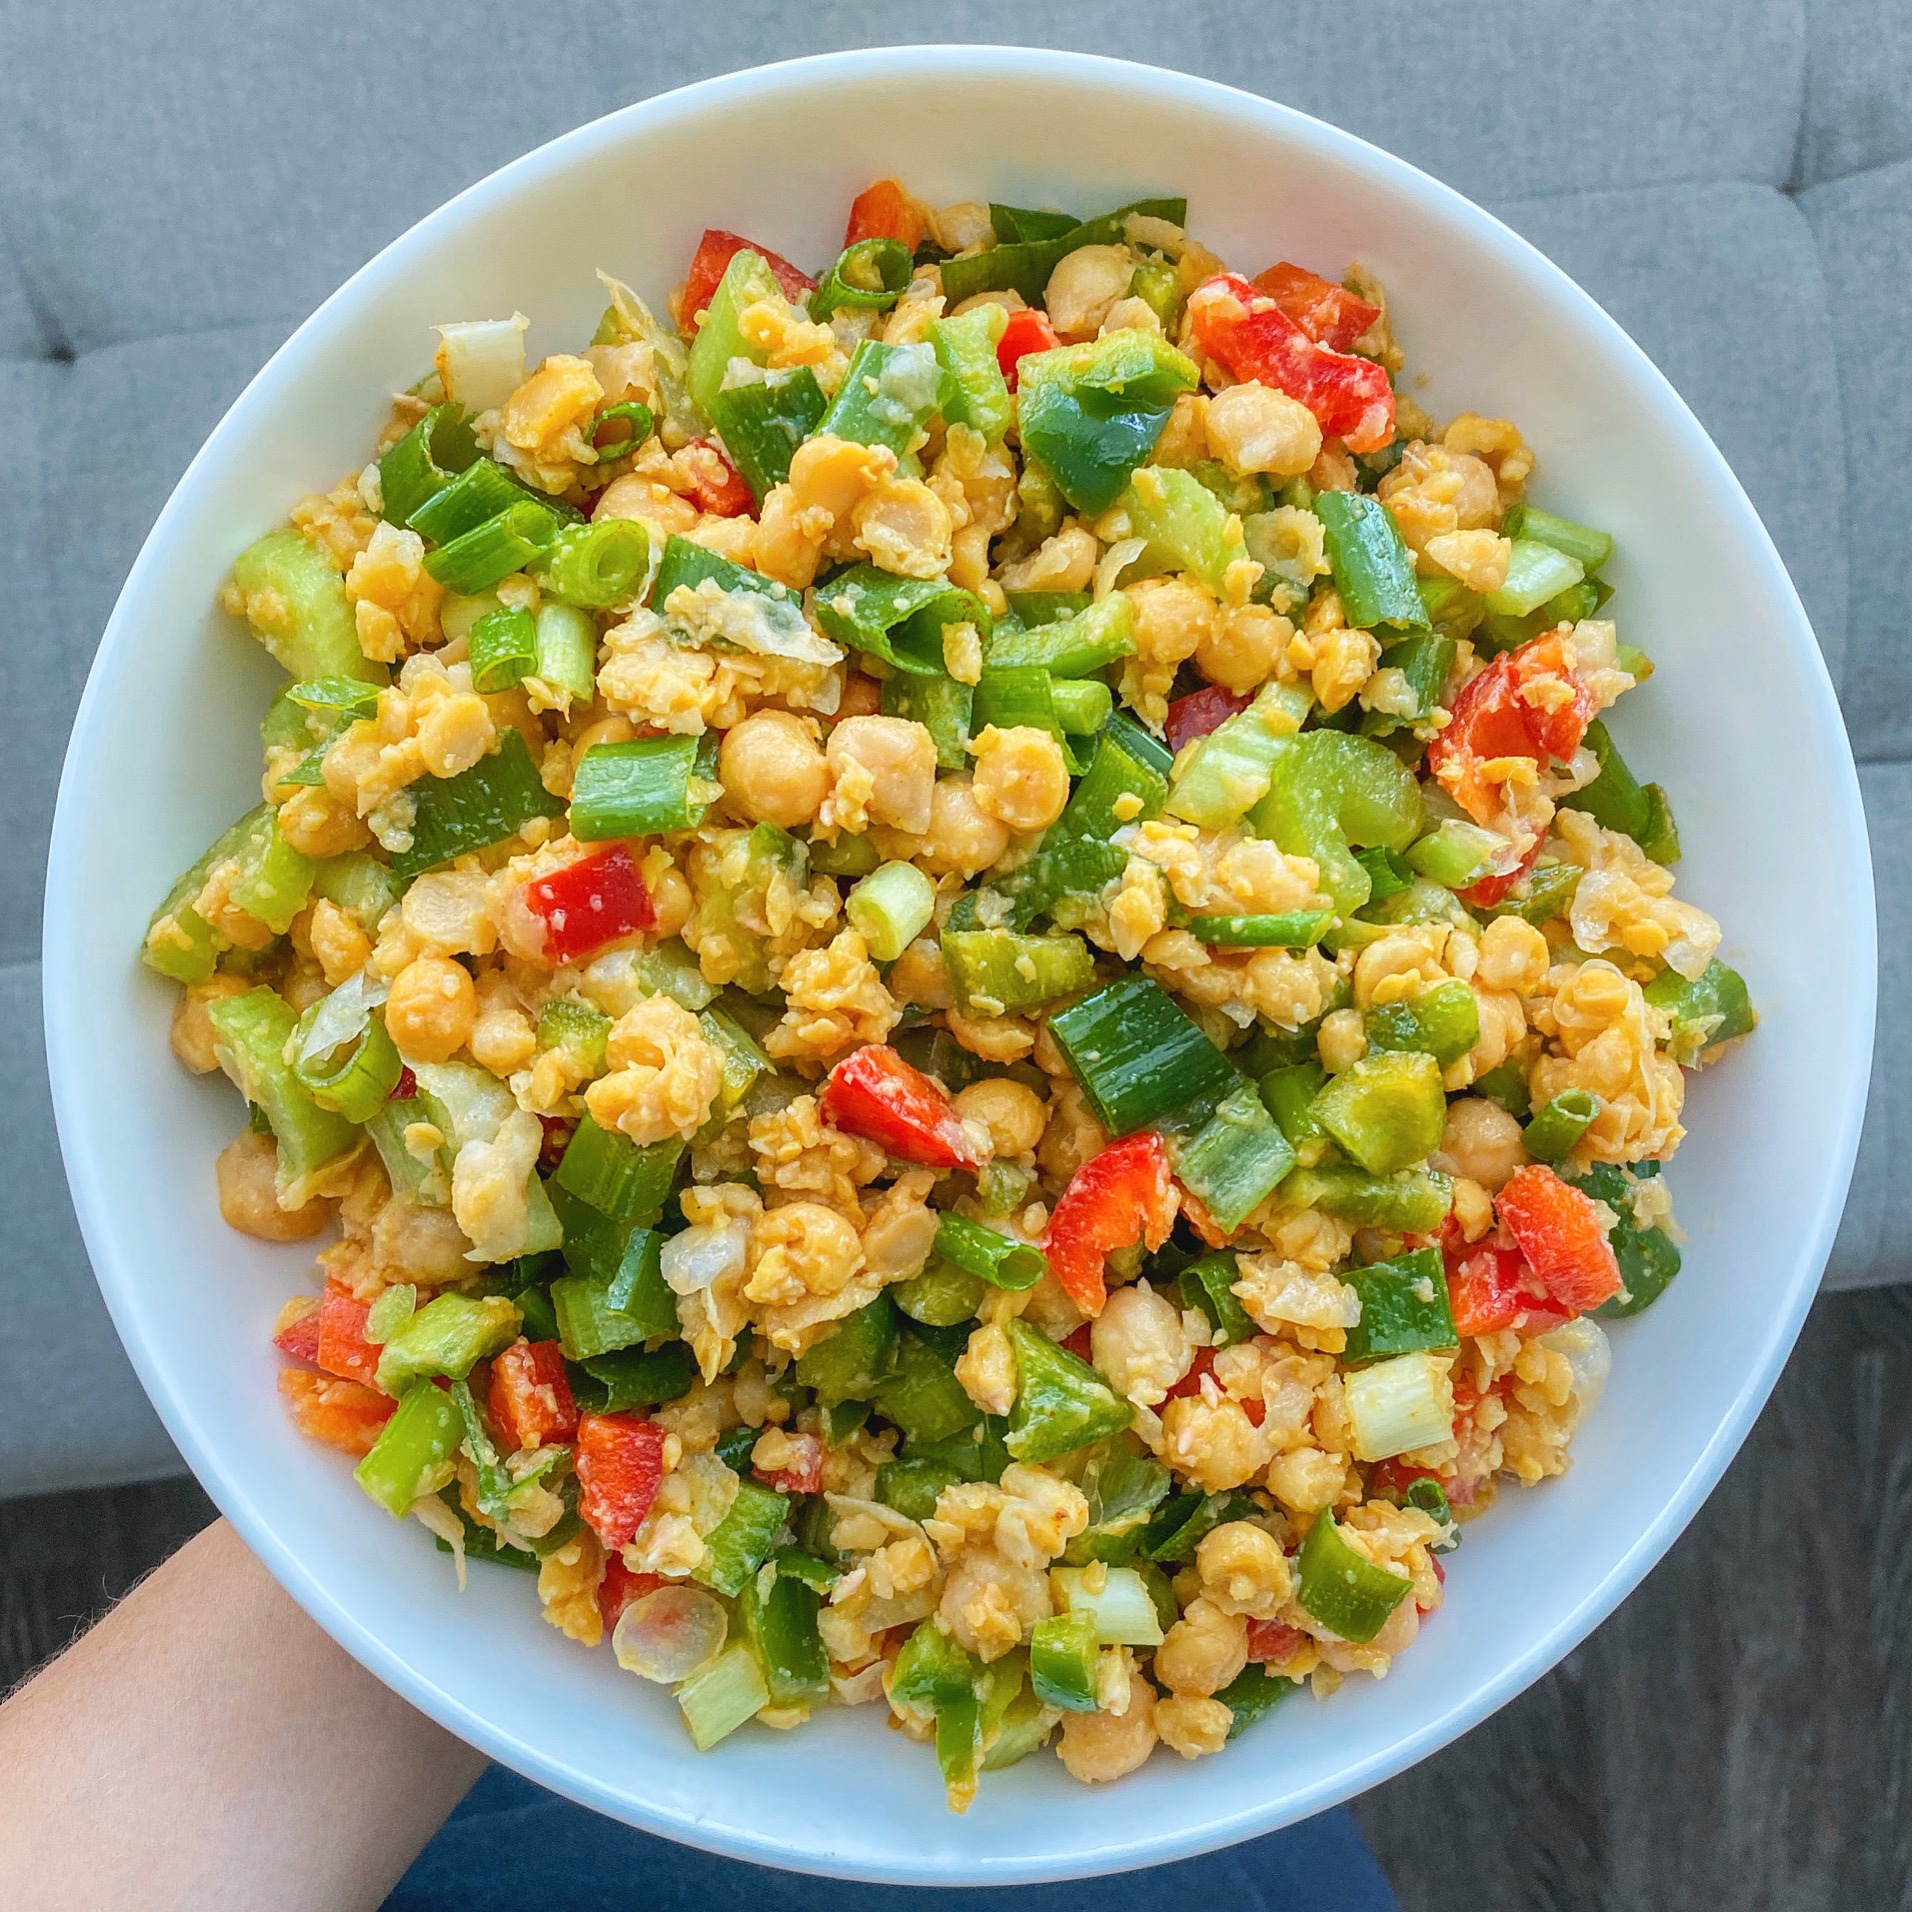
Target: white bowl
(1739, 722)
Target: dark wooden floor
(1738, 1734)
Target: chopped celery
(1404, 1308)
(1186, 525)
(1535, 573)
(296, 605)
(617, 1177)
(252, 1034)
(1061, 1402)
(1121, 1606)
(414, 1449)
(726, 1693)
(1137, 1055)
(1398, 1405)
(256, 862)
(1329, 791)
(1454, 853)
(446, 1338)
(360, 885)
(1227, 773)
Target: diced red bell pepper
(620, 1463)
(1330, 314)
(1489, 890)
(1491, 1289)
(1202, 711)
(1395, 1477)
(1526, 703)
(1116, 1198)
(299, 1338)
(1558, 1229)
(591, 902)
(558, 1131)
(714, 252)
(884, 211)
(407, 1086)
(1248, 333)
(1191, 1383)
(531, 1395)
(1027, 331)
(343, 1348)
(1081, 1343)
(716, 485)
(876, 1094)
(620, 1587)
(804, 1475)
(1273, 1642)
(343, 1414)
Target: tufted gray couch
(181, 181)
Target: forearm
(207, 1746)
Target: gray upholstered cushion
(1733, 178)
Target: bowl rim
(76, 1120)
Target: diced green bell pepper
(943, 707)
(780, 1608)
(1235, 1160)
(1386, 1110)
(900, 620)
(921, 1393)
(763, 421)
(413, 1450)
(1209, 1284)
(1061, 1402)
(1343, 1589)
(1090, 414)
(850, 1363)
(1442, 1021)
(1062, 1661)
(486, 804)
(1706, 1012)
(1187, 526)
(1415, 1202)
(741, 1542)
(888, 396)
(1404, 1308)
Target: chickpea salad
(981, 1013)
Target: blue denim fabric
(513, 1845)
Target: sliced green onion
(890, 908)
(1373, 568)
(1209, 1284)
(502, 647)
(1454, 854)
(1399, 1405)
(596, 567)
(1081, 707)
(1296, 929)
(998, 1259)
(638, 424)
(425, 461)
(492, 551)
(900, 620)
(474, 497)
(567, 644)
(1235, 1160)
(616, 1176)
(869, 276)
(1251, 1693)
(888, 395)
(357, 1083)
(687, 563)
(1137, 1055)
(636, 789)
(1415, 1202)
(1557, 1127)
(1122, 1609)
(1074, 642)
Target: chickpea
(248, 1170)
(1012, 1113)
(502, 1037)
(193, 1036)
(455, 733)
(1242, 648)
(432, 1008)
(1021, 778)
(1084, 285)
(342, 948)
(1255, 428)
(1095, 1747)
(670, 898)
(1140, 1345)
(1192, 1726)
(1243, 1570)
(917, 976)
(1481, 1142)
(897, 759)
(962, 836)
(1203, 1650)
(1341, 1040)
(315, 823)
(1513, 955)
(773, 770)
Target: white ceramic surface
(1740, 723)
